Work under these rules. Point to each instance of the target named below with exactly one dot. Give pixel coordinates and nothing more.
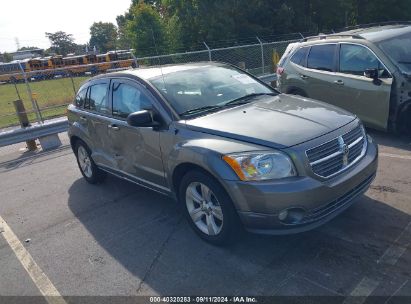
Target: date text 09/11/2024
(203, 299)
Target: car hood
(275, 121)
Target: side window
(299, 56)
(355, 59)
(97, 98)
(81, 96)
(321, 57)
(128, 99)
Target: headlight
(261, 166)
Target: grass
(54, 93)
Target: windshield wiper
(199, 110)
(241, 100)
(246, 98)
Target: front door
(368, 99)
(135, 149)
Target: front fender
(203, 150)
(201, 153)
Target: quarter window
(356, 59)
(97, 100)
(128, 99)
(299, 56)
(81, 96)
(321, 57)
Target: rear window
(299, 56)
(321, 57)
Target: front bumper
(260, 203)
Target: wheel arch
(182, 169)
(401, 116)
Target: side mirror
(371, 73)
(143, 118)
(374, 75)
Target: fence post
(17, 90)
(24, 122)
(36, 110)
(72, 83)
(209, 51)
(262, 54)
(134, 58)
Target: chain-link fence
(46, 92)
(259, 58)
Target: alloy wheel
(204, 209)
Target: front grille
(338, 154)
(321, 212)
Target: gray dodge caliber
(232, 150)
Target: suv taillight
(280, 70)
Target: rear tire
(91, 173)
(208, 208)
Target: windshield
(206, 87)
(399, 50)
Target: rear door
(289, 77)
(98, 120)
(319, 75)
(136, 149)
(354, 92)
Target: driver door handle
(303, 76)
(114, 127)
(339, 82)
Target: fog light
(291, 216)
(283, 215)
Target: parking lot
(63, 235)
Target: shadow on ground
(146, 233)
(391, 139)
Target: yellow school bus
(11, 72)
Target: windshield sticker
(244, 79)
(250, 90)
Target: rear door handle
(339, 82)
(114, 127)
(83, 118)
(303, 76)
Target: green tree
(184, 25)
(61, 42)
(103, 35)
(145, 30)
(5, 57)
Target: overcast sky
(28, 20)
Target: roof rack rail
(325, 36)
(374, 24)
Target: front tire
(88, 168)
(208, 208)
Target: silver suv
(366, 70)
(232, 150)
